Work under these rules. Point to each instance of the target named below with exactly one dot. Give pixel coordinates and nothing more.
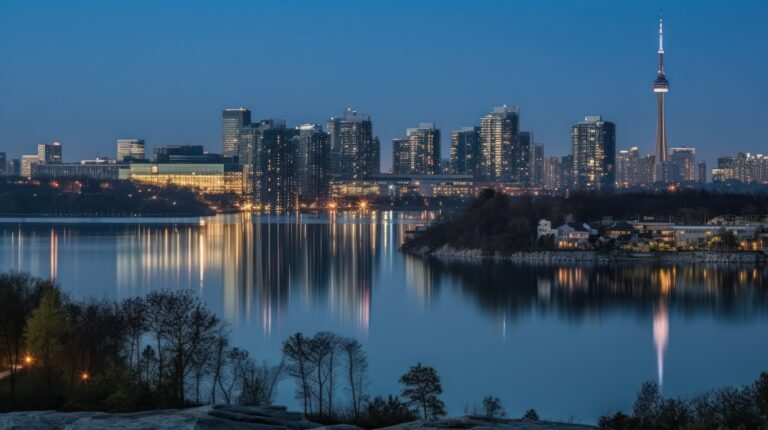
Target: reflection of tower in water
(666, 282)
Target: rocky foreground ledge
(225, 417)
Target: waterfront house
(621, 231)
(574, 234)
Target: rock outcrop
(217, 417)
(480, 423)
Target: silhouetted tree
(357, 369)
(492, 407)
(421, 386)
(531, 415)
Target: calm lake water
(572, 341)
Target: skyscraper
(627, 168)
(419, 153)
(3, 164)
(661, 87)
(232, 120)
(682, 164)
(537, 165)
(521, 158)
(354, 151)
(594, 154)
(130, 150)
(701, 176)
(551, 174)
(313, 163)
(566, 169)
(275, 174)
(465, 152)
(499, 144)
(27, 161)
(49, 153)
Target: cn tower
(661, 87)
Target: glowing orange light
(363, 205)
(28, 359)
(85, 376)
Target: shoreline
(447, 252)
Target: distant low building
(544, 229)
(95, 169)
(204, 178)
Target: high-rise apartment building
(701, 175)
(745, 167)
(499, 131)
(275, 169)
(521, 158)
(537, 165)
(551, 174)
(313, 163)
(354, 151)
(419, 152)
(130, 150)
(594, 154)
(566, 169)
(232, 120)
(628, 168)
(14, 167)
(682, 163)
(466, 156)
(49, 153)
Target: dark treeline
(498, 223)
(94, 197)
(725, 408)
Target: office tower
(130, 150)
(552, 174)
(701, 175)
(313, 164)
(566, 169)
(14, 167)
(660, 88)
(232, 120)
(466, 155)
(537, 165)
(275, 185)
(26, 165)
(49, 153)
(499, 144)
(354, 151)
(521, 158)
(682, 163)
(628, 167)
(419, 152)
(3, 164)
(594, 154)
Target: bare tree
(357, 373)
(219, 359)
(134, 310)
(296, 352)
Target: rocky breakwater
(217, 417)
(576, 256)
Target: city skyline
(550, 99)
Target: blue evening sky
(89, 72)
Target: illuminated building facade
(594, 154)
(354, 151)
(232, 120)
(49, 153)
(683, 164)
(204, 178)
(466, 156)
(537, 165)
(275, 170)
(419, 152)
(130, 150)
(314, 163)
(27, 161)
(499, 143)
(744, 167)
